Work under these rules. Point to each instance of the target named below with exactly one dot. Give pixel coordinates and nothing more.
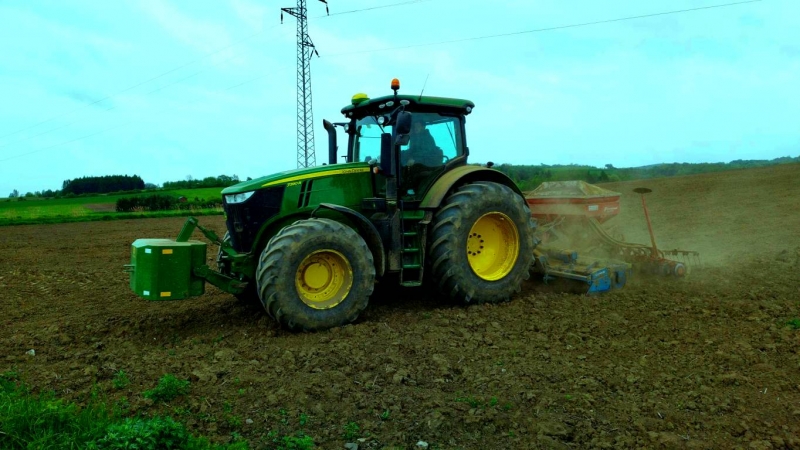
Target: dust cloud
(729, 217)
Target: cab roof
(416, 103)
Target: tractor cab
(435, 143)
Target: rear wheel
(315, 274)
(481, 243)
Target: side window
(444, 134)
(434, 140)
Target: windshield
(436, 131)
(368, 139)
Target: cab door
(418, 172)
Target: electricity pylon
(305, 116)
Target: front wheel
(481, 243)
(315, 274)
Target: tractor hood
(296, 175)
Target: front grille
(245, 219)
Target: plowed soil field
(710, 361)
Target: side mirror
(387, 166)
(403, 123)
(402, 128)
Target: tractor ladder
(412, 232)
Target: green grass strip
(107, 217)
(42, 421)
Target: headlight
(238, 198)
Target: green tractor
(404, 206)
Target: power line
(411, 2)
(539, 30)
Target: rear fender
(461, 176)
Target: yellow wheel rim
(493, 246)
(324, 279)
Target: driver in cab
(422, 149)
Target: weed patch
(298, 441)
(120, 380)
(169, 387)
(351, 431)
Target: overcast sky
(170, 89)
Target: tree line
(191, 183)
(102, 185)
(122, 183)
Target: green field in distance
(33, 210)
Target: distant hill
(528, 177)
